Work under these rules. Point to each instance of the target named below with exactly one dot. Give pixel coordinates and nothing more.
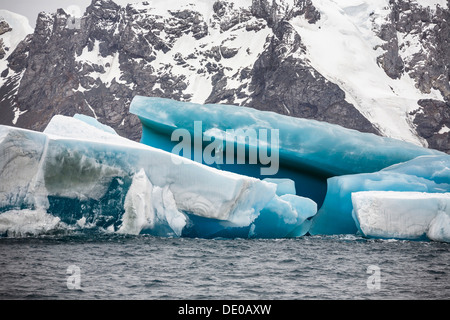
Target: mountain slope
(378, 66)
(13, 29)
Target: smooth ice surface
(308, 151)
(87, 129)
(89, 177)
(281, 214)
(402, 215)
(430, 174)
(322, 147)
(93, 122)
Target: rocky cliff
(295, 57)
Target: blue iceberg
(309, 152)
(429, 174)
(326, 162)
(214, 171)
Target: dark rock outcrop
(429, 63)
(432, 122)
(96, 64)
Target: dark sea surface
(109, 267)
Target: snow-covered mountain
(375, 66)
(13, 29)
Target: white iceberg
(402, 215)
(78, 170)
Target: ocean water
(85, 266)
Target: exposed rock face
(433, 123)
(4, 28)
(250, 56)
(428, 60)
(283, 82)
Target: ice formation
(429, 174)
(325, 148)
(81, 173)
(327, 162)
(310, 151)
(26, 222)
(402, 215)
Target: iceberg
(309, 151)
(326, 162)
(402, 215)
(426, 174)
(80, 174)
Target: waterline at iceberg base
(80, 175)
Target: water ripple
(146, 267)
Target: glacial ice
(281, 213)
(79, 174)
(90, 121)
(26, 222)
(84, 175)
(429, 174)
(329, 149)
(284, 186)
(310, 151)
(402, 215)
(149, 207)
